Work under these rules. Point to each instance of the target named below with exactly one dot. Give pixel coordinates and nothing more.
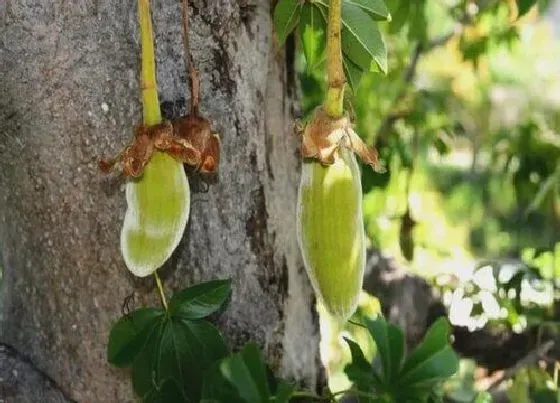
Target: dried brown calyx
(160, 137)
(187, 139)
(196, 131)
(323, 136)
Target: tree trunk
(69, 94)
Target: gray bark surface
(69, 94)
(20, 382)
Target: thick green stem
(150, 102)
(335, 73)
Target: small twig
(531, 358)
(194, 82)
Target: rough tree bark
(69, 93)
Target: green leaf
(216, 388)
(375, 8)
(433, 360)
(200, 300)
(417, 30)
(180, 350)
(360, 371)
(157, 213)
(436, 338)
(400, 11)
(353, 73)
(313, 32)
(168, 392)
(361, 39)
(284, 392)
(434, 369)
(143, 369)
(523, 7)
(186, 349)
(257, 367)
(129, 335)
(390, 346)
(246, 372)
(286, 17)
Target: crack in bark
(15, 354)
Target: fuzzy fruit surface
(157, 213)
(331, 233)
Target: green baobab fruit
(330, 222)
(330, 231)
(157, 213)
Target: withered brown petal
(366, 153)
(322, 137)
(182, 150)
(211, 157)
(105, 166)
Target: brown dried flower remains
(188, 139)
(323, 136)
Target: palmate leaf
(157, 213)
(179, 350)
(417, 379)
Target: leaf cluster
(397, 378)
(177, 355)
(363, 48)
